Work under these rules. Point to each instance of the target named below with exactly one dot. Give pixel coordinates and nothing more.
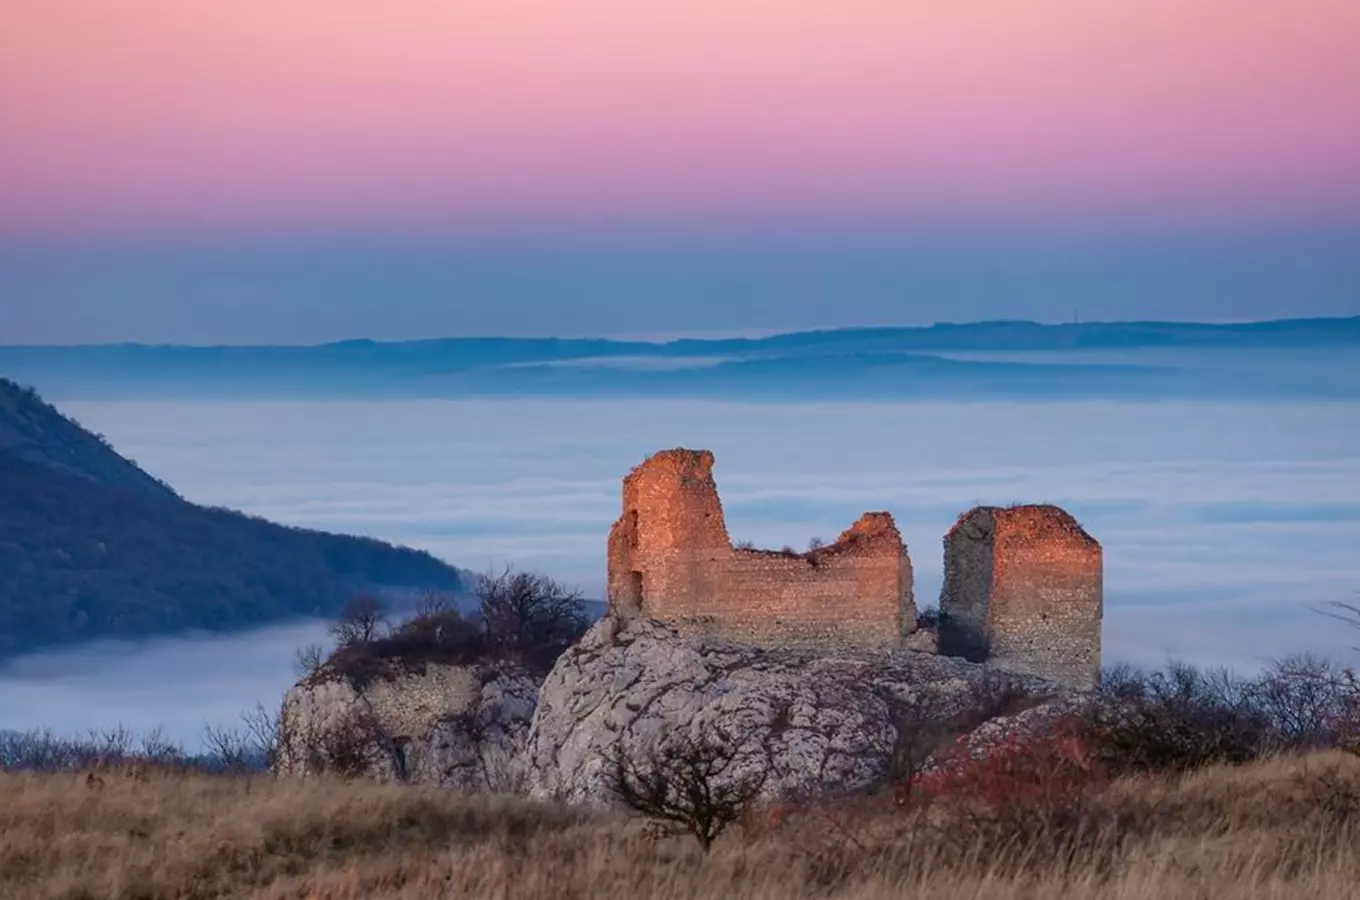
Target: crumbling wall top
(1036, 521)
(693, 463)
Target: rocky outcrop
(817, 720)
(462, 727)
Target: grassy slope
(1284, 828)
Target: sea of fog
(1223, 524)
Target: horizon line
(656, 339)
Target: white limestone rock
(462, 727)
(818, 721)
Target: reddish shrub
(1031, 772)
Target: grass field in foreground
(1282, 828)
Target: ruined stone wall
(1024, 584)
(1022, 588)
(670, 558)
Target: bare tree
(251, 747)
(921, 729)
(228, 747)
(43, 751)
(432, 604)
(528, 611)
(1342, 612)
(1348, 721)
(360, 622)
(687, 785)
(307, 660)
(1347, 724)
(1302, 697)
(266, 733)
(345, 746)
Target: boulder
(816, 721)
(462, 727)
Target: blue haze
(311, 291)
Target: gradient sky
(158, 121)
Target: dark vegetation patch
(92, 547)
(523, 619)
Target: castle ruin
(1022, 584)
(1023, 589)
(670, 558)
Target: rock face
(462, 727)
(817, 720)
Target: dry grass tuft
(1283, 828)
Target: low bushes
(1047, 774)
(1185, 718)
(1038, 773)
(522, 617)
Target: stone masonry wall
(1023, 587)
(670, 558)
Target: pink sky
(263, 115)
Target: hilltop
(92, 546)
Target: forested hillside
(91, 546)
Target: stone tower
(671, 534)
(1023, 589)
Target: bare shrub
(437, 628)
(433, 603)
(922, 728)
(1305, 699)
(307, 660)
(496, 765)
(1175, 720)
(686, 784)
(33, 751)
(1348, 613)
(1185, 718)
(530, 616)
(815, 544)
(231, 748)
(345, 747)
(929, 724)
(446, 638)
(360, 622)
(254, 746)
(1347, 723)
(44, 751)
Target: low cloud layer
(1222, 523)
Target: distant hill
(91, 546)
(937, 360)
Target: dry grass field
(1289, 827)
